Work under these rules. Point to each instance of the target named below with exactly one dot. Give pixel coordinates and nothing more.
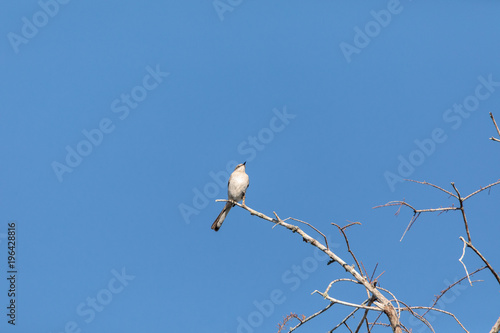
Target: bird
(236, 190)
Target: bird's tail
(218, 221)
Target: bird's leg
(243, 200)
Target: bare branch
(288, 318)
(460, 259)
(496, 126)
(311, 317)
(374, 270)
(429, 210)
(496, 327)
(334, 300)
(469, 244)
(481, 189)
(394, 298)
(375, 322)
(363, 319)
(382, 302)
(319, 232)
(419, 317)
(444, 291)
(376, 279)
(347, 241)
(416, 212)
(461, 200)
(463, 211)
(337, 280)
(442, 311)
(413, 219)
(345, 319)
(387, 325)
(435, 186)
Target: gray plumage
(236, 189)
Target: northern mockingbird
(236, 188)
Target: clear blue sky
(119, 119)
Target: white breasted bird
(236, 189)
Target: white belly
(237, 187)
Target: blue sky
(119, 120)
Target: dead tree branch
(496, 327)
(468, 243)
(381, 303)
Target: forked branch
(496, 126)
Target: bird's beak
(244, 162)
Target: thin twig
(429, 210)
(413, 219)
(496, 126)
(376, 279)
(363, 319)
(345, 319)
(394, 298)
(442, 311)
(419, 317)
(353, 305)
(460, 259)
(319, 232)
(469, 244)
(373, 273)
(376, 322)
(338, 280)
(288, 318)
(341, 229)
(416, 212)
(463, 211)
(481, 189)
(444, 291)
(426, 183)
(311, 317)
